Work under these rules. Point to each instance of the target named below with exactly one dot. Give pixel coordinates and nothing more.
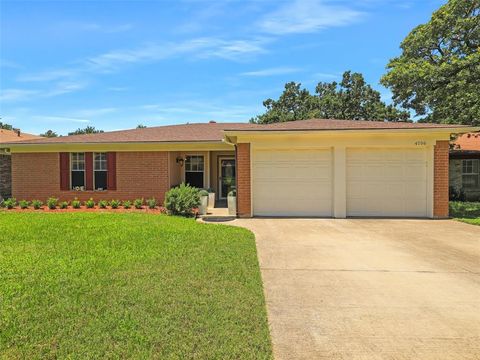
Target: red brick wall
(440, 179)
(243, 180)
(139, 174)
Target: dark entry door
(227, 176)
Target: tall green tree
(351, 99)
(49, 134)
(438, 73)
(87, 130)
(5, 126)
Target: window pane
(470, 181)
(100, 161)
(100, 180)
(194, 163)
(78, 179)
(78, 161)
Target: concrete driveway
(370, 289)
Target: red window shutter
(111, 171)
(64, 171)
(89, 171)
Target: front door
(226, 171)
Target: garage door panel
(292, 183)
(386, 182)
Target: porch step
(217, 218)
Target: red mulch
(158, 210)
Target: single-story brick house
(5, 159)
(318, 168)
(465, 165)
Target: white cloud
(48, 75)
(307, 16)
(272, 71)
(203, 48)
(324, 76)
(16, 94)
(61, 119)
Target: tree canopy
(87, 130)
(49, 134)
(438, 73)
(5, 126)
(351, 99)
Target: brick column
(243, 181)
(440, 179)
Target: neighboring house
(318, 168)
(5, 159)
(465, 166)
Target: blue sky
(116, 64)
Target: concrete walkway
(370, 289)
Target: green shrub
(90, 204)
(37, 204)
(203, 193)
(182, 200)
(232, 193)
(63, 205)
(152, 203)
(115, 204)
(52, 203)
(102, 204)
(10, 203)
(76, 203)
(127, 204)
(24, 204)
(460, 209)
(138, 203)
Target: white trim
(205, 167)
(95, 171)
(70, 162)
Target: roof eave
(452, 130)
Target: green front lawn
(468, 212)
(103, 285)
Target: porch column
(440, 179)
(339, 182)
(244, 208)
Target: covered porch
(211, 170)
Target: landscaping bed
(128, 285)
(468, 212)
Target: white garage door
(292, 183)
(387, 182)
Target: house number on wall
(420, 143)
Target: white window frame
(474, 172)
(105, 161)
(202, 171)
(72, 169)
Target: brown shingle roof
(13, 136)
(205, 132)
(213, 132)
(467, 142)
(331, 124)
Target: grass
(103, 285)
(468, 212)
